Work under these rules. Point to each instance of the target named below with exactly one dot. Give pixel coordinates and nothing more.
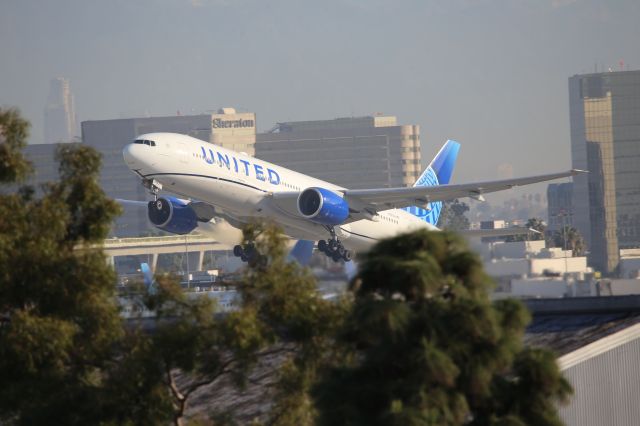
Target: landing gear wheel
(244, 258)
(238, 251)
(340, 250)
(347, 256)
(250, 251)
(336, 257)
(322, 246)
(333, 245)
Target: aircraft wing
(387, 198)
(500, 232)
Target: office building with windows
(605, 140)
(559, 198)
(355, 152)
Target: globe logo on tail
(432, 212)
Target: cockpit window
(144, 142)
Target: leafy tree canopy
(429, 347)
(13, 137)
(57, 302)
(569, 238)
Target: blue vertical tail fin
(302, 251)
(439, 172)
(147, 275)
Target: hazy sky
(490, 73)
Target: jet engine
(323, 206)
(172, 215)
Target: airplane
(218, 182)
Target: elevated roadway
(154, 246)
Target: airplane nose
(129, 156)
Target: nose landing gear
(153, 186)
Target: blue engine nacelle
(172, 215)
(323, 206)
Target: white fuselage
(240, 186)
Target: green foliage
(569, 238)
(56, 292)
(281, 315)
(14, 131)
(142, 387)
(452, 216)
(285, 299)
(429, 347)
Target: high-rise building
(357, 152)
(605, 140)
(559, 199)
(59, 113)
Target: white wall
(547, 287)
(517, 249)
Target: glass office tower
(605, 140)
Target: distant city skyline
(491, 73)
(59, 113)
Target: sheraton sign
(218, 123)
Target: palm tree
(569, 238)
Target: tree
(285, 299)
(427, 346)
(452, 216)
(569, 238)
(533, 223)
(281, 315)
(14, 131)
(59, 316)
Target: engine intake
(323, 206)
(172, 215)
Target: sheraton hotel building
(355, 152)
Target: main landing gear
(250, 254)
(334, 249)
